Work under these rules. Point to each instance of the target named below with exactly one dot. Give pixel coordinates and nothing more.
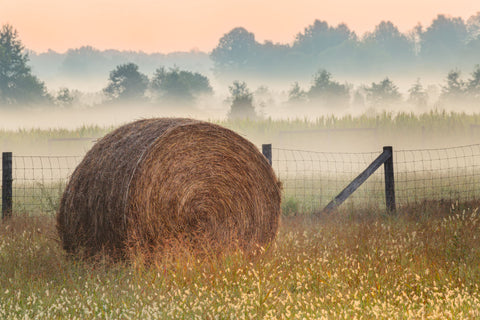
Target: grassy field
(402, 130)
(358, 263)
(422, 263)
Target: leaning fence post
(389, 181)
(6, 184)
(267, 152)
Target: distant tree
(178, 85)
(387, 42)
(320, 36)
(386, 33)
(272, 58)
(296, 94)
(383, 93)
(455, 88)
(241, 101)
(17, 84)
(328, 92)
(473, 85)
(263, 97)
(443, 39)
(417, 95)
(358, 99)
(126, 84)
(85, 61)
(64, 97)
(235, 50)
(473, 27)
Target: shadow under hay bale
(157, 180)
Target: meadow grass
(432, 128)
(359, 263)
(365, 264)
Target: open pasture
(356, 263)
(416, 264)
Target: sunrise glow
(166, 26)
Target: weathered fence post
(389, 181)
(267, 152)
(6, 184)
(386, 158)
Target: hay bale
(155, 180)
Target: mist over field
(330, 85)
(367, 207)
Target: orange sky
(182, 25)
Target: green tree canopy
(390, 43)
(443, 39)
(17, 84)
(320, 36)
(179, 85)
(235, 50)
(383, 93)
(473, 26)
(242, 101)
(328, 92)
(417, 95)
(458, 90)
(126, 84)
(66, 97)
(455, 87)
(473, 85)
(296, 94)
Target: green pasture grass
(421, 263)
(300, 196)
(312, 194)
(37, 198)
(440, 125)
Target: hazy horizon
(356, 65)
(164, 27)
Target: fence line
(438, 174)
(310, 179)
(38, 181)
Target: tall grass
(363, 265)
(440, 125)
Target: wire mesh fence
(438, 174)
(38, 181)
(310, 179)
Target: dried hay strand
(157, 180)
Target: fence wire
(310, 179)
(39, 181)
(437, 174)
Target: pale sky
(183, 25)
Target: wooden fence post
(267, 152)
(389, 181)
(6, 184)
(357, 182)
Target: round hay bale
(156, 180)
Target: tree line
(19, 87)
(326, 91)
(447, 41)
(127, 84)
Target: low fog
(329, 89)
